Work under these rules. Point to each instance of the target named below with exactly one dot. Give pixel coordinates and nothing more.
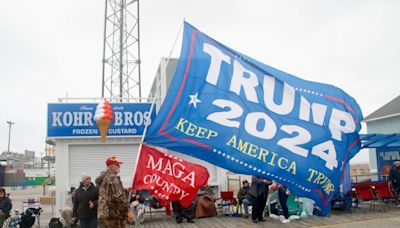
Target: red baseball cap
(113, 160)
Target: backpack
(55, 223)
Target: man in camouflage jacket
(113, 207)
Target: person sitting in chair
(137, 205)
(244, 196)
(205, 206)
(66, 212)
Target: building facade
(80, 150)
(385, 120)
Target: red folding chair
(363, 193)
(382, 191)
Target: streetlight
(10, 123)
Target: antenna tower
(121, 51)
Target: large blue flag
(237, 113)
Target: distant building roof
(390, 109)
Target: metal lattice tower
(121, 51)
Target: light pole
(10, 123)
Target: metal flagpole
(151, 110)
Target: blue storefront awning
(380, 140)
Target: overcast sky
(50, 47)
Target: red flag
(168, 177)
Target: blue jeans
(246, 203)
(88, 223)
(283, 200)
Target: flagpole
(152, 107)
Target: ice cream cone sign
(103, 117)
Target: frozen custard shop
(79, 133)
(79, 129)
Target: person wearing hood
(394, 178)
(113, 208)
(5, 206)
(85, 203)
(66, 212)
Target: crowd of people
(105, 202)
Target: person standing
(5, 206)
(244, 196)
(394, 178)
(113, 207)
(181, 212)
(259, 194)
(283, 194)
(85, 203)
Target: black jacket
(394, 175)
(243, 193)
(258, 187)
(81, 202)
(5, 205)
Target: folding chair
(363, 193)
(226, 203)
(382, 191)
(148, 207)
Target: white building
(80, 150)
(79, 147)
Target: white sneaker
(285, 221)
(274, 216)
(293, 217)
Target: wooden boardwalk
(358, 218)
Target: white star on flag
(194, 100)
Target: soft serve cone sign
(103, 117)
